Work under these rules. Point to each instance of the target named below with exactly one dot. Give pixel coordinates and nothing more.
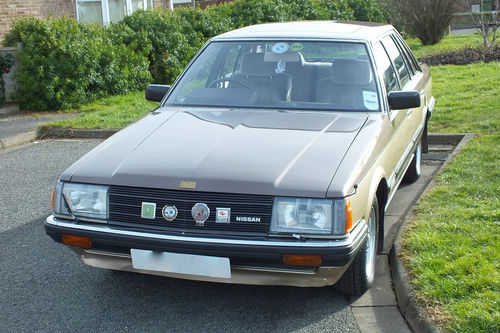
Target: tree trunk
(486, 35)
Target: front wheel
(360, 275)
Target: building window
(105, 11)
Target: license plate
(191, 264)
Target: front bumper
(252, 261)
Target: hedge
(464, 56)
(64, 63)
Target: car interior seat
(344, 88)
(262, 78)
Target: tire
(415, 167)
(358, 278)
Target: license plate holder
(179, 263)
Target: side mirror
(155, 92)
(403, 99)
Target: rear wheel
(414, 169)
(360, 275)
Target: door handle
(409, 112)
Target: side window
(406, 58)
(411, 58)
(397, 59)
(385, 69)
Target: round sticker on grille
(200, 213)
(169, 213)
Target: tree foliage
(428, 20)
(487, 20)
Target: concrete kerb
(9, 109)
(17, 140)
(72, 133)
(400, 275)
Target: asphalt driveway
(45, 288)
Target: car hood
(285, 153)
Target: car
(270, 161)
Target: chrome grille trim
(125, 209)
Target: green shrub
(334, 10)
(367, 10)
(173, 41)
(63, 63)
(248, 12)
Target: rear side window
(411, 58)
(397, 59)
(385, 69)
(405, 55)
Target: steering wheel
(228, 79)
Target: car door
(393, 156)
(420, 81)
(414, 121)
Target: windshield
(280, 74)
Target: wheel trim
(371, 246)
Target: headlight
(88, 202)
(308, 216)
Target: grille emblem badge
(222, 215)
(148, 210)
(169, 213)
(200, 213)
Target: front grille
(125, 210)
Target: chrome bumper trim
(354, 236)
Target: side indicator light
(53, 196)
(76, 240)
(348, 216)
(302, 260)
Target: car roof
(351, 30)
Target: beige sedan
(271, 160)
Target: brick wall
(10, 10)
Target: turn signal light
(302, 260)
(76, 240)
(53, 195)
(348, 215)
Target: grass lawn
(453, 246)
(448, 43)
(114, 112)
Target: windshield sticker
(370, 100)
(280, 67)
(280, 48)
(296, 47)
